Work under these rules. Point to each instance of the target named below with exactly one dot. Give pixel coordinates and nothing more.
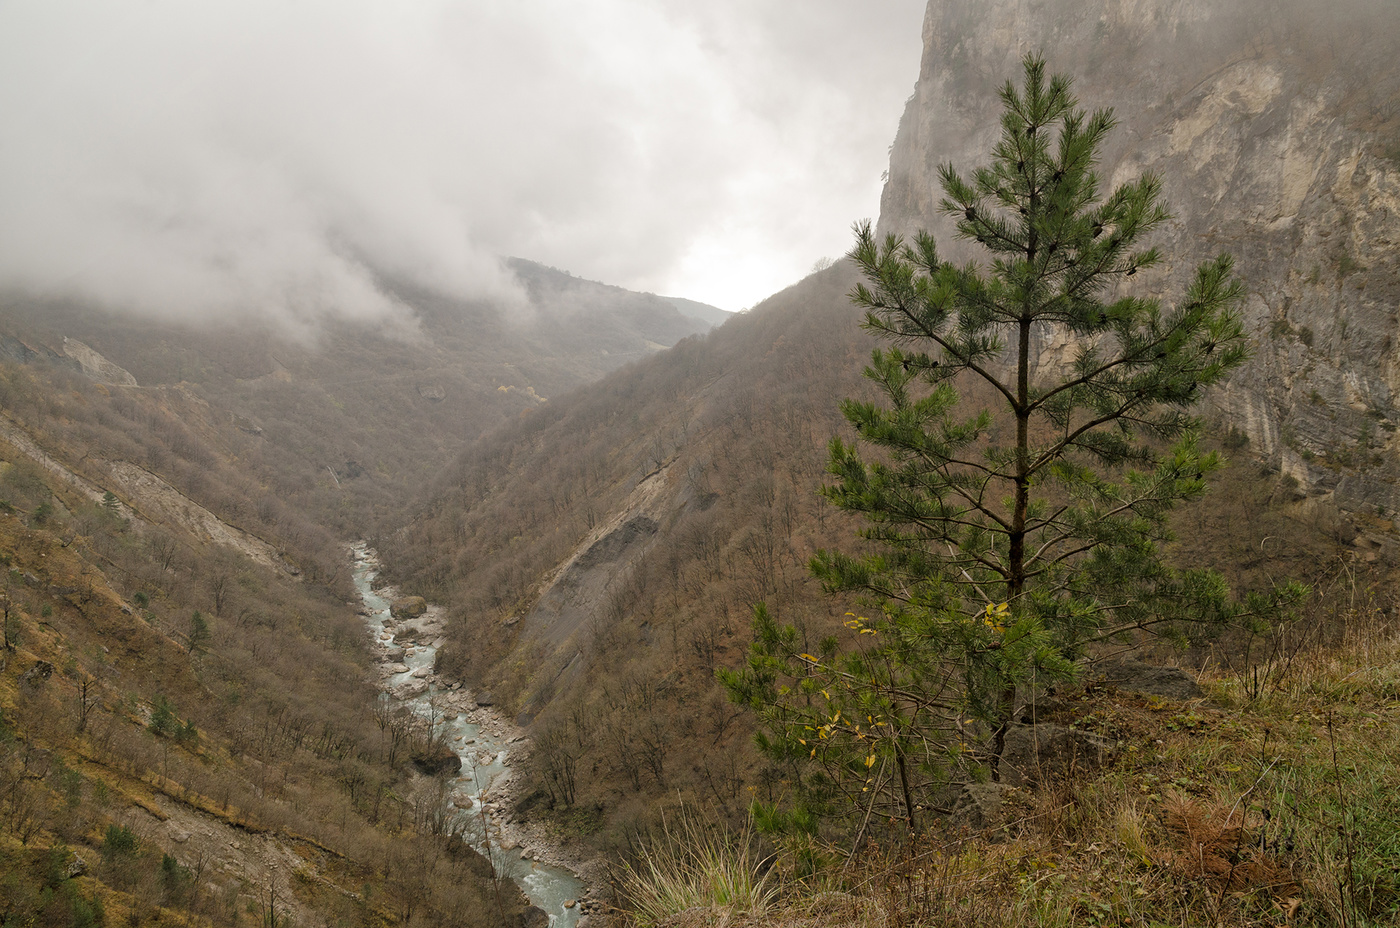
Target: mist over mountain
(264, 162)
(361, 412)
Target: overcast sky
(239, 158)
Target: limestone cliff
(1276, 129)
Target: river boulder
(410, 607)
(436, 761)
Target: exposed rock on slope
(583, 586)
(97, 367)
(1275, 127)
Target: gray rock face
(76, 867)
(1137, 677)
(37, 675)
(1034, 753)
(979, 806)
(1274, 130)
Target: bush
(119, 844)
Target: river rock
(534, 917)
(410, 690)
(394, 654)
(440, 761)
(422, 673)
(410, 607)
(397, 668)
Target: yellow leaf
(814, 752)
(808, 657)
(870, 761)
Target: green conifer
(1013, 532)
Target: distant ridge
(712, 315)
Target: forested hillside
(190, 728)
(346, 425)
(599, 487)
(188, 724)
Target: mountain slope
(602, 555)
(188, 727)
(186, 696)
(1274, 127)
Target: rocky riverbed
(560, 880)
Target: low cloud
(273, 160)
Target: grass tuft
(694, 864)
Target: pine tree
(199, 636)
(1013, 533)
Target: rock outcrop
(1150, 679)
(1274, 127)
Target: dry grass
(694, 870)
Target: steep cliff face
(1276, 129)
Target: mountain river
(481, 739)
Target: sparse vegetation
(1263, 804)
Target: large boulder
(412, 689)
(37, 675)
(409, 607)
